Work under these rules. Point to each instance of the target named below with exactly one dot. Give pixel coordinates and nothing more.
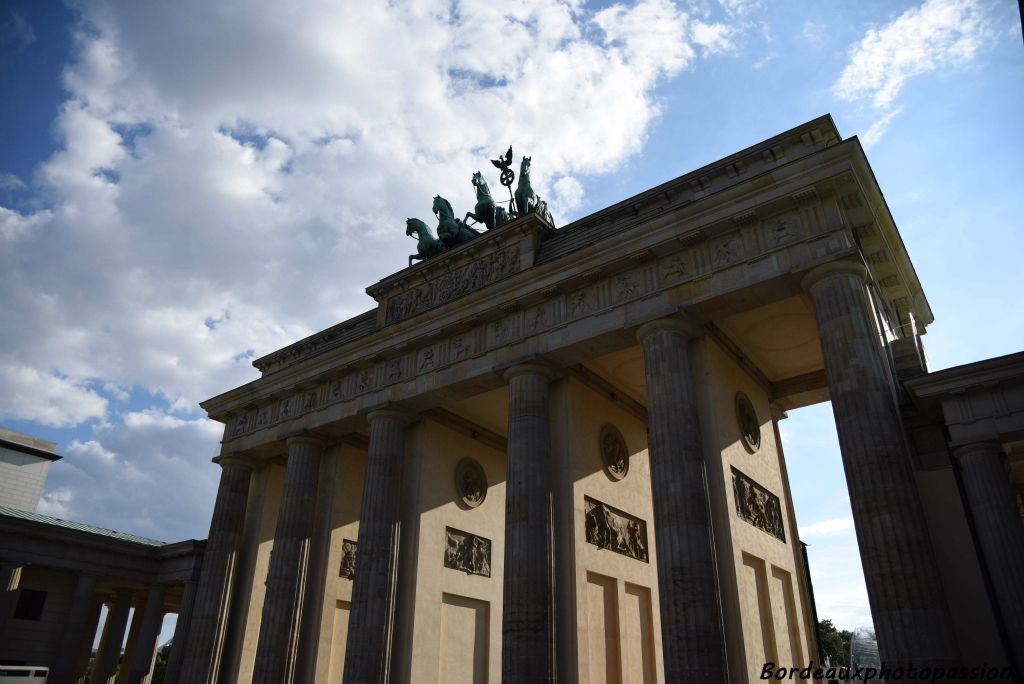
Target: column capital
(312, 440)
(842, 267)
(991, 446)
(394, 412)
(530, 369)
(225, 460)
(778, 413)
(683, 325)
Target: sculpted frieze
(609, 528)
(467, 552)
(460, 281)
(348, 559)
(757, 505)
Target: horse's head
(478, 179)
(442, 206)
(524, 167)
(413, 226)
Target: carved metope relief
(750, 426)
(757, 505)
(608, 527)
(614, 454)
(470, 482)
(467, 552)
(348, 559)
(459, 281)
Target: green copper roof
(67, 524)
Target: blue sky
(184, 186)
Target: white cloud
(56, 503)
(824, 527)
(92, 449)
(45, 397)
(146, 472)
(568, 192)
(9, 181)
(214, 199)
(936, 35)
(878, 129)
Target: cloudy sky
(187, 186)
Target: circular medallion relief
(614, 453)
(470, 482)
(750, 426)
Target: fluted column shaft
(181, 629)
(109, 652)
(904, 588)
(694, 650)
(76, 630)
(278, 645)
(370, 622)
(999, 531)
(213, 594)
(528, 602)
(149, 630)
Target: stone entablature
(696, 257)
(667, 197)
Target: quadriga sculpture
(527, 201)
(450, 230)
(426, 245)
(486, 210)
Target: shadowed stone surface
(368, 654)
(276, 654)
(999, 531)
(904, 587)
(527, 629)
(213, 595)
(75, 630)
(694, 649)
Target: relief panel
(609, 528)
(757, 505)
(467, 552)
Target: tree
(835, 643)
(160, 664)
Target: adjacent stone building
(24, 465)
(56, 576)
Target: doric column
(149, 630)
(278, 645)
(130, 646)
(77, 629)
(999, 531)
(10, 577)
(181, 629)
(370, 622)
(904, 588)
(527, 652)
(319, 579)
(694, 650)
(213, 594)
(104, 668)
